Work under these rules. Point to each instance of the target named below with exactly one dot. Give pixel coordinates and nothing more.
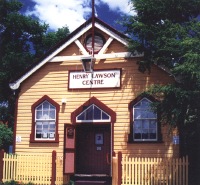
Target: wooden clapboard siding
(115, 47)
(71, 50)
(52, 80)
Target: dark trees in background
(23, 40)
(167, 32)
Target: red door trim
(98, 103)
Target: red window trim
(32, 135)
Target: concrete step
(82, 182)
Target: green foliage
(52, 38)
(6, 136)
(23, 40)
(168, 34)
(13, 182)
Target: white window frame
(45, 120)
(93, 120)
(142, 119)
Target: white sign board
(96, 79)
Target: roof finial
(93, 16)
(93, 9)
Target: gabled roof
(50, 56)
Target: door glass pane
(81, 116)
(93, 113)
(105, 116)
(97, 113)
(89, 113)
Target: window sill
(32, 140)
(140, 142)
(43, 141)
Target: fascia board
(112, 34)
(17, 83)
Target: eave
(51, 56)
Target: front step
(82, 182)
(91, 179)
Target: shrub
(13, 182)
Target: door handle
(108, 158)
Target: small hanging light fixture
(88, 64)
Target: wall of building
(52, 80)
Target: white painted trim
(16, 84)
(103, 49)
(112, 34)
(83, 50)
(52, 57)
(96, 56)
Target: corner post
(53, 169)
(119, 168)
(1, 164)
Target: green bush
(12, 182)
(6, 136)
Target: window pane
(145, 124)
(52, 135)
(81, 116)
(52, 114)
(97, 113)
(145, 134)
(52, 127)
(39, 107)
(46, 112)
(145, 121)
(137, 129)
(93, 113)
(45, 130)
(144, 113)
(144, 103)
(89, 113)
(46, 105)
(151, 114)
(45, 135)
(152, 124)
(137, 124)
(137, 113)
(105, 116)
(52, 107)
(152, 133)
(38, 135)
(38, 114)
(45, 115)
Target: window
(93, 114)
(144, 124)
(45, 116)
(99, 41)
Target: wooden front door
(93, 147)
